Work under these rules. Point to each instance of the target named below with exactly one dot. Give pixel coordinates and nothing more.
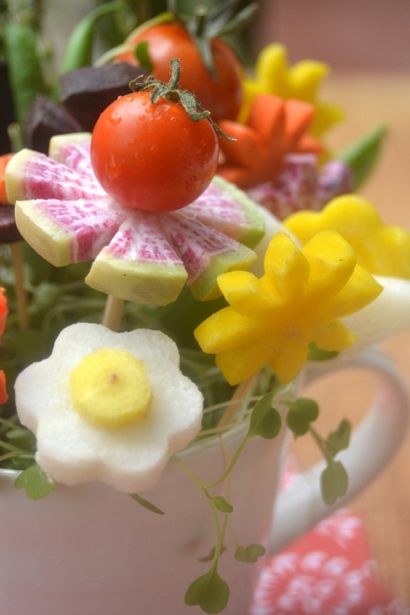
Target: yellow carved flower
(381, 249)
(273, 75)
(299, 300)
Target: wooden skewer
(113, 312)
(20, 289)
(242, 391)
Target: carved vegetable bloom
(63, 212)
(108, 406)
(382, 249)
(301, 81)
(299, 300)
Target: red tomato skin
(152, 157)
(221, 96)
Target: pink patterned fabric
(326, 572)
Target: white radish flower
(106, 406)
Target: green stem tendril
(170, 91)
(220, 531)
(321, 444)
(230, 466)
(13, 449)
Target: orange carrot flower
(275, 127)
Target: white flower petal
(70, 449)
(386, 316)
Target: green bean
(25, 70)
(80, 44)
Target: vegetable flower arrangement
(153, 198)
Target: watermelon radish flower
(273, 75)
(300, 185)
(147, 257)
(109, 407)
(3, 316)
(298, 301)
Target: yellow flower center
(110, 388)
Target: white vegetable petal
(70, 449)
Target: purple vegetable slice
(8, 229)
(205, 253)
(139, 264)
(44, 119)
(65, 232)
(87, 91)
(65, 215)
(31, 175)
(229, 210)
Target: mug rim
(193, 448)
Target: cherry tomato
(152, 157)
(222, 96)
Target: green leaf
(334, 482)
(22, 438)
(146, 504)
(265, 420)
(249, 554)
(339, 440)
(362, 155)
(301, 414)
(209, 591)
(79, 48)
(317, 354)
(35, 482)
(211, 554)
(222, 505)
(141, 52)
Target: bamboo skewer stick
(240, 395)
(20, 289)
(113, 313)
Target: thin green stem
(320, 443)
(230, 465)
(11, 455)
(10, 447)
(202, 487)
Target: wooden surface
(385, 505)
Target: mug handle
(301, 506)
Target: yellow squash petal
(244, 292)
(286, 266)
(227, 329)
(332, 262)
(360, 290)
(333, 335)
(242, 363)
(289, 362)
(272, 70)
(305, 78)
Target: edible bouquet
(183, 243)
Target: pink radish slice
(205, 252)
(65, 232)
(335, 179)
(73, 150)
(139, 264)
(229, 210)
(295, 187)
(36, 176)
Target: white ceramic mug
(89, 550)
